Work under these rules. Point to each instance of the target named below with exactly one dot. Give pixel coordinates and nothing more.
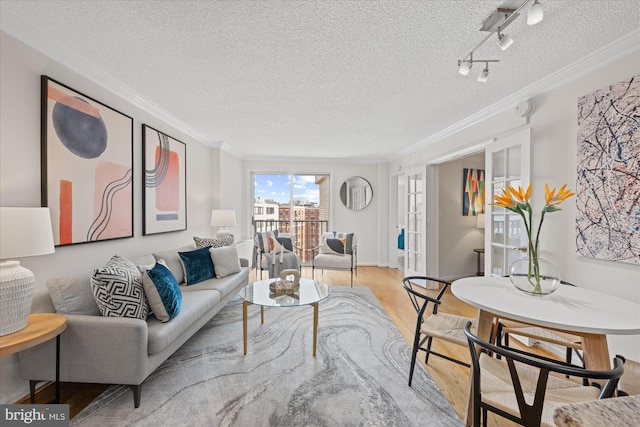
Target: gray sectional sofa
(117, 350)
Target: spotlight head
(484, 75)
(535, 13)
(465, 67)
(504, 41)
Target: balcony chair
(572, 343)
(338, 251)
(518, 385)
(444, 326)
(275, 252)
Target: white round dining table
(589, 314)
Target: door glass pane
(514, 162)
(516, 231)
(497, 261)
(498, 229)
(419, 203)
(499, 166)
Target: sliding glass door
(296, 204)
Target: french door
(415, 259)
(508, 162)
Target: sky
(277, 187)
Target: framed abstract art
(472, 192)
(164, 195)
(87, 166)
(608, 184)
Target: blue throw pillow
(197, 265)
(162, 292)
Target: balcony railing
(307, 233)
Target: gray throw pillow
(73, 295)
(225, 261)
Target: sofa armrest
(93, 349)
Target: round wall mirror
(356, 193)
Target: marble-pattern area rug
(358, 378)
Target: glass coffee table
(311, 292)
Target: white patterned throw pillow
(118, 290)
(213, 242)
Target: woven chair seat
(544, 334)
(448, 327)
(497, 389)
(630, 379)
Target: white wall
(554, 126)
(20, 72)
(372, 244)
(458, 234)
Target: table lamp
(24, 232)
(223, 218)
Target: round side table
(40, 328)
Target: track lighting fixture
(497, 22)
(484, 75)
(504, 40)
(465, 66)
(535, 13)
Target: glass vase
(534, 276)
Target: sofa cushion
(194, 306)
(198, 266)
(162, 292)
(118, 291)
(225, 261)
(213, 242)
(172, 259)
(73, 295)
(227, 285)
(332, 262)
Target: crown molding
(27, 34)
(595, 60)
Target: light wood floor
(451, 378)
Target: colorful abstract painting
(472, 192)
(164, 196)
(87, 166)
(608, 179)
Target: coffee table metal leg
(262, 314)
(244, 324)
(315, 327)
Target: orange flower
(520, 195)
(503, 200)
(554, 199)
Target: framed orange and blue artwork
(86, 166)
(164, 196)
(472, 192)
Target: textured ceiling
(318, 79)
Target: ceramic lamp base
(16, 295)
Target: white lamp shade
(480, 221)
(504, 41)
(223, 218)
(25, 232)
(484, 76)
(465, 67)
(535, 14)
